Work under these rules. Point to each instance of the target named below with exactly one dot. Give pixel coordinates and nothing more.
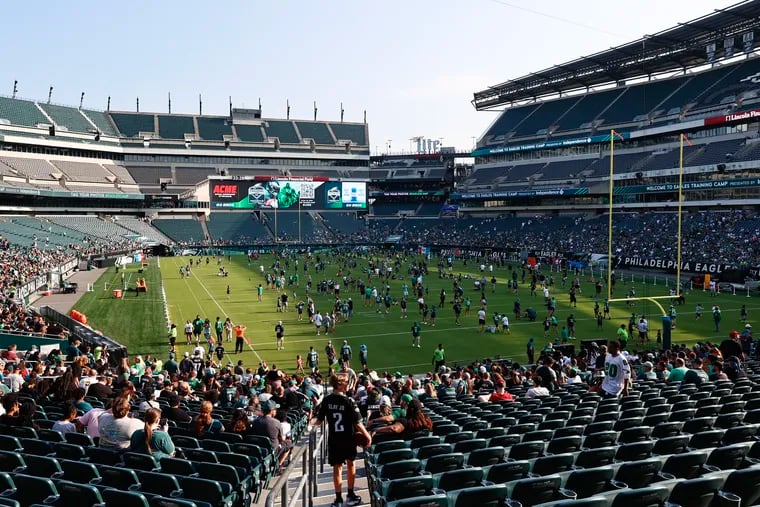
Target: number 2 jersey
(341, 414)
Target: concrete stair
(325, 493)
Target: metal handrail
(307, 455)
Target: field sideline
(139, 322)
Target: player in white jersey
(617, 372)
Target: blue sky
(413, 66)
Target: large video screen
(290, 194)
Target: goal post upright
(609, 227)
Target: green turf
(140, 323)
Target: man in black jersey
(341, 415)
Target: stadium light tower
(389, 146)
(15, 88)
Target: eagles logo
(333, 195)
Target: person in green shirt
(416, 335)
(219, 328)
(677, 374)
(622, 335)
(150, 440)
(197, 329)
(564, 334)
(439, 357)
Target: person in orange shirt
(239, 337)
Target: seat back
(139, 461)
(535, 490)
(73, 493)
(408, 487)
(470, 445)
(459, 479)
(11, 461)
(176, 466)
(589, 482)
(482, 496)
(600, 439)
(728, 457)
(526, 450)
(80, 472)
(202, 490)
(557, 463)
(506, 472)
(418, 442)
(31, 490)
(117, 497)
(487, 456)
(706, 439)
(671, 445)
(744, 483)
(635, 451)
(119, 478)
(421, 501)
(564, 444)
(42, 466)
(641, 497)
(398, 469)
(697, 492)
(427, 451)
(392, 455)
(685, 466)
(444, 462)
(638, 474)
(592, 458)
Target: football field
(140, 321)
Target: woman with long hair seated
(238, 422)
(204, 424)
(150, 439)
(415, 421)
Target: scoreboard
(263, 192)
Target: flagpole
(680, 209)
(609, 226)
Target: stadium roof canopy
(675, 49)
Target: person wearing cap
(343, 419)
(186, 365)
(647, 372)
(171, 365)
(346, 353)
(279, 332)
(267, 425)
(380, 416)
